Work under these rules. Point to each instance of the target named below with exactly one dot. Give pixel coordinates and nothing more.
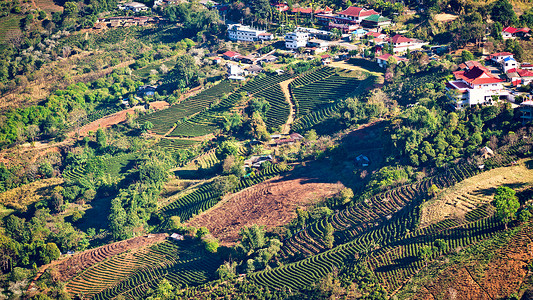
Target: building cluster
(133, 6)
(476, 84)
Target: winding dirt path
(285, 88)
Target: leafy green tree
(502, 11)
(185, 70)
(466, 56)
(524, 215)
(252, 238)
(425, 253)
(506, 204)
(228, 270)
(101, 139)
(345, 195)
(328, 237)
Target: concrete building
(133, 6)
(401, 43)
(296, 39)
(475, 86)
(243, 33)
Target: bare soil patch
(285, 88)
(456, 201)
(271, 203)
(115, 118)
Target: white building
(475, 86)
(243, 33)
(133, 6)
(401, 43)
(508, 63)
(497, 58)
(296, 39)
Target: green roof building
(376, 21)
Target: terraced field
(317, 94)
(383, 233)
(279, 110)
(132, 273)
(175, 144)
(114, 166)
(164, 120)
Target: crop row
(279, 108)
(173, 144)
(164, 120)
(317, 94)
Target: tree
(32, 132)
(252, 238)
(506, 204)
(335, 34)
(345, 195)
(146, 126)
(466, 56)
(101, 139)
(502, 11)
(424, 253)
(328, 237)
(185, 70)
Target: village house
(358, 33)
(146, 90)
(526, 108)
(376, 21)
(235, 72)
(508, 63)
(526, 66)
(512, 33)
(133, 6)
(475, 86)
(362, 160)
(244, 33)
(344, 28)
(231, 55)
(382, 60)
(254, 69)
(256, 161)
(401, 43)
(176, 237)
(519, 77)
(497, 58)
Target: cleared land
(271, 203)
(456, 201)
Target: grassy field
(457, 200)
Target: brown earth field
(65, 269)
(116, 118)
(271, 203)
(492, 273)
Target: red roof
(515, 30)
(527, 65)
(400, 39)
(325, 56)
(500, 54)
(387, 55)
(476, 76)
(368, 13)
(352, 11)
(524, 73)
(374, 34)
(510, 29)
(231, 54)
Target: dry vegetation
(456, 201)
(19, 198)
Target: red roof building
(356, 14)
(231, 55)
(475, 86)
